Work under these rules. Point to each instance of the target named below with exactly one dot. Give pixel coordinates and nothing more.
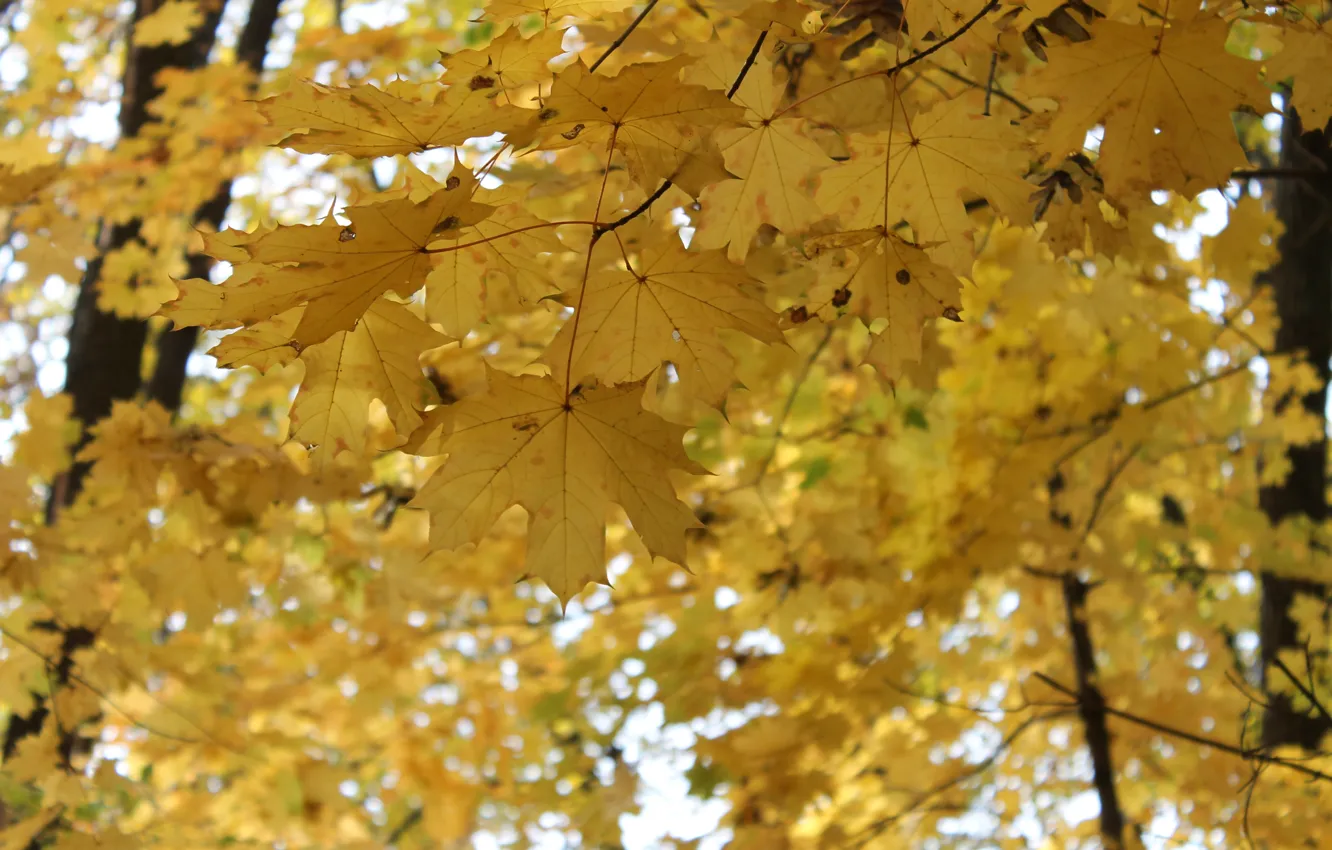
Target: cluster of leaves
(859, 315)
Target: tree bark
(1302, 286)
(105, 359)
(174, 347)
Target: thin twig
(904, 64)
(996, 89)
(77, 679)
(790, 403)
(413, 818)
(877, 828)
(1277, 173)
(989, 82)
(749, 63)
(1303, 689)
(615, 45)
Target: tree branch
(1092, 711)
(413, 818)
(1256, 755)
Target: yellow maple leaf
(262, 345)
(133, 282)
(942, 17)
(377, 360)
(1164, 95)
(889, 279)
(565, 458)
(660, 125)
(172, 23)
(552, 11)
(20, 184)
(923, 171)
(43, 448)
(1305, 59)
(365, 121)
(509, 62)
(665, 305)
(336, 270)
(771, 158)
(503, 258)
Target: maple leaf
(365, 121)
(1165, 96)
(1304, 58)
(565, 458)
(890, 279)
(506, 253)
(19, 184)
(261, 345)
(511, 61)
(377, 360)
(771, 158)
(666, 305)
(552, 11)
(659, 125)
(924, 170)
(171, 23)
(336, 270)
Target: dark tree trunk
(1302, 285)
(105, 360)
(175, 346)
(105, 351)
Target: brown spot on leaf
(447, 223)
(572, 133)
(841, 297)
(453, 182)
(442, 386)
(799, 315)
(952, 314)
(348, 234)
(481, 81)
(548, 113)
(903, 276)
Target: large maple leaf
(771, 158)
(509, 62)
(344, 373)
(924, 170)
(664, 305)
(365, 121)
(337, 271)
(660, 125)
(1306, 57)
(890, 279)
(565, 458)
(1164, 95)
